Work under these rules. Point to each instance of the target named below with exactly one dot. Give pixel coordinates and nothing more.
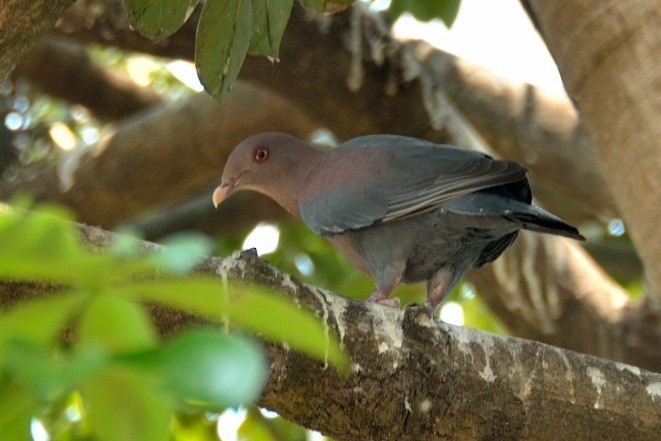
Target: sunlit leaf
(270, 19)
(116, 324)
(16, 410)
(182, 252)
(426, 10)
(214, 370)
(223, 36)
(49, 374)
(38, 321)
(159, 18)
(252, 308)
(317, 5)
(123, 404)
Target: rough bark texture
(414, 378)
(22, 25)
(608, 55)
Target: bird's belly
(423, 244)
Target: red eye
(260, 154)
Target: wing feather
(376, 179)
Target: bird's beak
(221, 192)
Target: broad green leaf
(257, 427)
(38, 246)
(223, 36)
(49, 374)
(116, 324)
(426, 10)
(159, 18)
(270, 19)
(249, 307)
(214, 370)
(16, 410)
(38, 321)
(123, 404)
(182, 252)
(317, 5)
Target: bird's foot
(380, 296)
(421, 308)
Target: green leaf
(38, 246)
(223, 36)
(16, 410)
(159, 18)
(255, 309)
(123, 404)
(317, 5)
(48, 374)
(38, 321)
(270, 19)
(182, 252)
(116, 324)
(426, 10)
(214, 370)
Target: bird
(402, 209)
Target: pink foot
(381, 295)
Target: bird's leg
(439, 286)
(381, 294)
(383, 290)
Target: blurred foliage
(116, 380)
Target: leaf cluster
(91, 347)
(228, 30)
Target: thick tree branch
(608, 55)
(163, 156)
(66, 71)
(22, 25)
(417, 378)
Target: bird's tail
(541, 221)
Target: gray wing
(381, 178)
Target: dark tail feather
(542, 221)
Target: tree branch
(66, 71)
(417, 378)
(115, 180)
(22, 24)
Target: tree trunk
(608, 55)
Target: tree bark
(164, 156)
(65, 71)
(608, 56)
(413, 377)
(22, 25)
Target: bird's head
(270, 163)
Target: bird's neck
(286, 193)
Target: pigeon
(402, 209)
